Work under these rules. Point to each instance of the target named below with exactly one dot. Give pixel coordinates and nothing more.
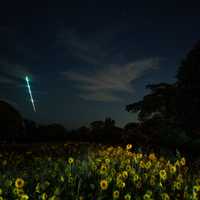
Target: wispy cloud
(104, 83)
(109, 71)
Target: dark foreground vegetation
(102, 172)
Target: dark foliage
(189, 89)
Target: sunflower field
(95, 172)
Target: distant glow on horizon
(30, 93)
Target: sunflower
(176, 185)
(104, 184)
(129, 146)
(116, 194)
(148, 165)
(24, 197)
(182, 161)
(125, 174)
(148, 195)
(165, 196)
(121, 184)
(196, 188)
(152, 156)
(142, 164)
(70, 160)
(19, 183)
(103, 169)
(163, 174)
(44, 196)
(107, 160)
(172, 169)
(127, 197)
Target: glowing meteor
(30, 93)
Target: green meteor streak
(30, 93)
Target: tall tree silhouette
(189, 89)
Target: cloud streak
(109, 71)
(105, 83)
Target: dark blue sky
(88, 59)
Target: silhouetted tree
(97, 125)
(11, 123)
(109, 123)
(189, 89)
(161, 102)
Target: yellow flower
(172, 169)
(139, 155)
(103, 169)
(148, 195)
(116, 194)
(176, 185)
(152, 157)
(163, 174)
(104, 184)
(182, 161)
(128, 168)
(19, 183)
(70, 160)
(135, 177)
(180, 178)
(125, 174)
(44, 196)
(194, 196)
(121, 184)
(24, 197)
(127, 197)
(148, 165)
(107, 160)
(165, 196)
(81, 198)
(129, 146)
(196, 188)
(177, 163)
(142, 164)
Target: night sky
(88, 59)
